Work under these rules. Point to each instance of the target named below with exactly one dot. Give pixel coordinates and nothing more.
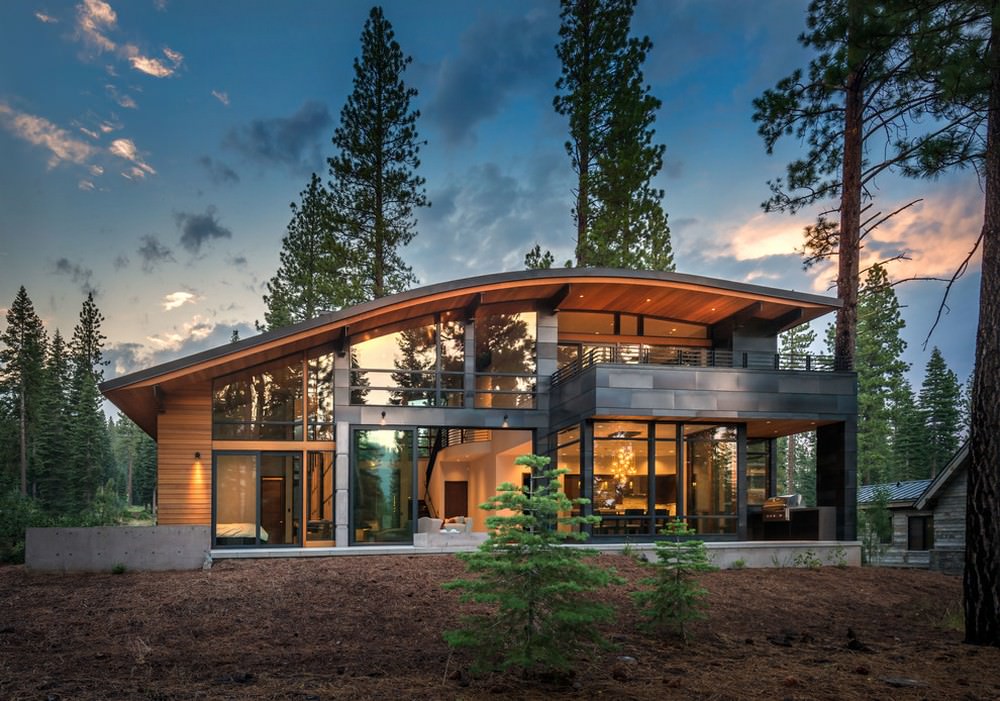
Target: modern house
(928, 517)
(662, 394)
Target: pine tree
(536, 259)
(940, 395)
(880, 375)
(22, 358)
(375, 189)
(310, 279)
(53, 427)
(88, 442)
(865, 92)
(619, 217)
(909, 438)
(541, 614)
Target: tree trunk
(791, 464)
(24, 437)
(982, 518)
(128, 478)
(850, 198)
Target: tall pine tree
(619, 217)
(375, 189)
(940, 395)
(22, 358)
(310, 279)
(54, 416)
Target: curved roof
(676, 296)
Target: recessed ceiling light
(648, 299)
(581, 296)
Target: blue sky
(149, 151)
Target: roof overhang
(677, 296)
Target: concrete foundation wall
(102, 549)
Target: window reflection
(711, 475)
(320, 397)
(383, 486)
(263, 403)
(505, 360)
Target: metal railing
(683, 356)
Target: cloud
(77, 273)
(38, 131)
(121, 262)
(238, 261)
(197, 329)
(218, 172)
(496, 58)
(286, 141)
(153, 253)
(196, 229)
(44, 18)
(92, 134)
(93, 19)
(125, 101)
(153, 66)
(177, 299)
(126, 150)
(85, 185)
(222, 97)
(197, 334)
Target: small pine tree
(537, 590)
(675, 598)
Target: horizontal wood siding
(184, 484)
(949, 526)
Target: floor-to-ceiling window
(710, 468)
(505, 359)
(621, 477)
(382, 494)
(257, 498)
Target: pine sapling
(675, 599)
(539, 613)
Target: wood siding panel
(184, 484)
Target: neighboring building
(912, 530)
(928, 518)
(662, 395)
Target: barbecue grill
(778, 509)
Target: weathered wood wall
(949, 526)
(184, 483)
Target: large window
(263, 403)
(505, 360)
(382, 487)
(711, 477)
(320, 498)
(320, 396)
(257, 499)
(417, 366)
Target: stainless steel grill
(779, 508)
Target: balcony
(682, 356)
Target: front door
(456, 498)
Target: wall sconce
(505, 424)
(197, 455)
(382, 420)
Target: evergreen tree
(309, 280)
(52, 445)
(865, 92)
(88, 444)
(535, 259)
(375, 189)
(794, 344)
(539, 589)
(940, 395)
(619, 217)
(909, 439)
(880, 375)
(22, 358)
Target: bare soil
(367, 627)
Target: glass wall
(758, 466)
(568, 458)
(319, 384)
(258, 499)
(418, 366)
(320, 496)
(382, 486)
(263, 403)
(505, 360)
(236, 500)
(621, 477)
(711, 476)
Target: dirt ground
(370, 628)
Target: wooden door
(456, 498)
(272, 509)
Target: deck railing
(674, 356)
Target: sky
(149, 151)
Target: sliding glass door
(257, 499)
(382, 486)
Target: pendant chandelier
(623, 464)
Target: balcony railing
(682, 356)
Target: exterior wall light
(197, 455)
(382, 420)
(505, 424)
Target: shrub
(18, 513)
(675, 598)
(540, 616)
